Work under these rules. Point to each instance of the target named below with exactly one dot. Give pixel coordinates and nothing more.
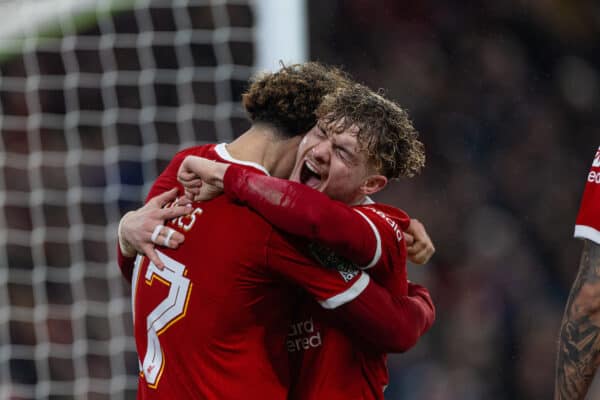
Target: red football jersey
(327, 362)
(167, 180)
(213, 323)
(588, 220)
(335, 364)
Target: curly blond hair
(288, 98)
(384, 129)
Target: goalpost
(96, 96)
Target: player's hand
(201, 178)
(418, 243)
(587, 225)
(138, 228)
(203, 193)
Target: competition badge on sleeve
(588, 219)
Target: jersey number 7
(166, 313)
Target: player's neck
(262, 145)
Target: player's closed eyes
(345, 155)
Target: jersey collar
(367, 200)
(221, 150)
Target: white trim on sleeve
(224, 154)
(377, 254)
(348, 295)
(587, 232)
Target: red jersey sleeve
(330, 287)
(300, 210)
(388, 267)
(587, 225)
(389, 323)
(126, 264)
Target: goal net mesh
(95, 99)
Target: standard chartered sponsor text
(302, 336)
(594, 177)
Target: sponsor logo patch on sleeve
(327, 258)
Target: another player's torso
(328, 363)
(212, 324)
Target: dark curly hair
(385, 130)
(288, 98)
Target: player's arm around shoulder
(390, 323)
(402, 316)
(303, 211)
(288, 258)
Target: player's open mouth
(310, 176)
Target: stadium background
(505, 96)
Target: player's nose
(321, 152)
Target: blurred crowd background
(504, 94)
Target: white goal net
(95, 98)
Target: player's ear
(373, 184)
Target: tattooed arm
(579, 340)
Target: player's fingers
(174, 212)
(419, 259)
(428, 253)
(203, 194)
(415, 247)
(173, 239)
(167, 237)
(409, 239)
(164, 198)
(189, 195)
(150, 252)
(208, 192)
(156, 233)
(194, 190)
(192, 184)
(415, 258)
(424, 255)
(185, 177)
(183, 201)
